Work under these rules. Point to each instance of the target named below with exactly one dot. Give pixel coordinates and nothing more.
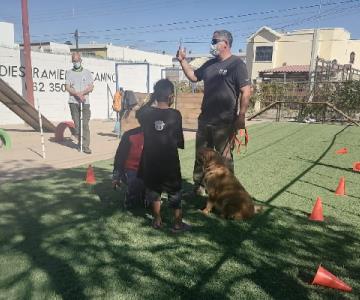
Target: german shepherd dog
(225, 192)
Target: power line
(97, 13)
(128, 28)
(157, 25)
(197, 27)
(337, 12)
(331, 13)
(143, 41)
(304, 20)
(104, 4)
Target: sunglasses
(215, 41)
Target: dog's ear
(204, 154)
(200, 154)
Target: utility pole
(76, 35)
(27, 53)
(314, 54)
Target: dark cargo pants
(216, 137)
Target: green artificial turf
(62, 239)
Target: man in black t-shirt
(160, 164)
(225, 81)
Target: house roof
(272, 31)
(289, 69)
(90, 46)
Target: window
(89, 54)
(264, 53)
(352, 57)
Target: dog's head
(208, 155)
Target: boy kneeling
(126, 165)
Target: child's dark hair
(162, 90)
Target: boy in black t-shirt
(160, 164)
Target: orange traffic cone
(342, 151)
(325, 278)
(90, 175)
(340, 190)
(317, 212)
(356, 166)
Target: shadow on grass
(61, 237)
(274, 255)
(326, 165)
(307, 170)
(286, 240)
(330, 190)
(274, 142)
(20, 170)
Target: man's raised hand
(181, 54)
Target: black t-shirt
(163, 135)
(222, 83)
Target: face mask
(77, 65)
(214, 50)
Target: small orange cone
(340, 190)
(90, 175)
(356, 166)
(325, 278)
(317, 212)
(342, 151)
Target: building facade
(268, 49)
(125, 54)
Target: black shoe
(87, 150)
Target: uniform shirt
(163, 135)
(222, 83)
(78, 80)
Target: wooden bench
(60, 129)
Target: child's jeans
(135, 188)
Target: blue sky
(158, 25)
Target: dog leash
(243, 133)
(234, 141)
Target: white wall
(49, 80)
(134, 55)
(134, 76)
(7, 34)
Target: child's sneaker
(182, 228)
